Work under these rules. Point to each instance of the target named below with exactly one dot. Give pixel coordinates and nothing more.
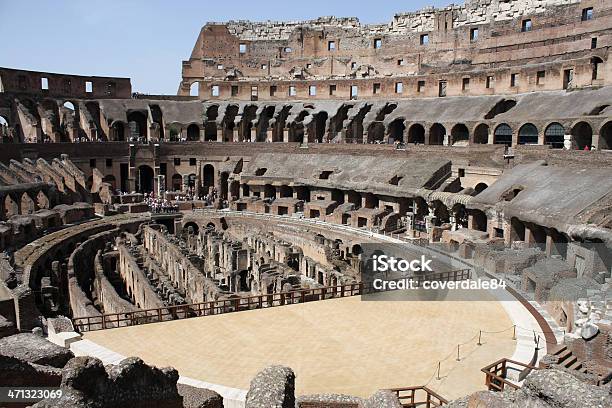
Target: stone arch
(479, 220)
(194, 88)
(503, 134)
(42, 201)
(416, 134)
(208, 175)
(396, 130)
(318, 127)
(285, 191)
(582, 135)
(480, 187)
(554, 135)
(210, 126)
(460, 135)
(481, 134)
(28, 206)
(118, 131)
(89, 183)
(193, 132)
(110, 179)
(234, 189)
(176, 182)
(137, 123)
(436, 134)
(376, 133)
(528, 134)
(194, 227)
(595, 71)
(11, 206)
(145, 179)
(605, 136)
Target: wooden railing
(113, 320)
(413, 397)
(497, 373)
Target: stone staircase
(566, 358)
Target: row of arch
(25, 203)
(554, 134)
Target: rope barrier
(457, 352)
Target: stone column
(286, 135)
(220, 134)
(253, 134)
(235, 136)
(185, 182)
(269, 135)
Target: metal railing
(421, 396)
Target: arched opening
(376, 133)
(210, 127)
(269, 191)
(285, 191)
(118, 131)
(137, 122)
(396, 131)
(89, 183)
(460, 135)
(503, 135)
(27, 204)
(528, 134)
(517, 230)
(481, 134)
(479, 220)
(145, 179)
(416, 134)
(42, 201)
(554, 135)
(436, 134)
(191, 227)
(234, 190)
(582, 135)
(68, 105)
(480, 187)
(177, 182)
(441, 212)
(354, 198)
(319, 126)
(3, 121)
(208, 176)
(110, 179)
(595, 63)
(605, 137)
(157, 119)
(191, 181)
(371, 201)
(193, 132)
(10, 207)
(194, 89)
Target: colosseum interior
(228, 231)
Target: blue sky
(147, 39)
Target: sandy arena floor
(340, 345)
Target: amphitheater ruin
(227, 231)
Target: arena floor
(334, 346)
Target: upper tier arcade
(482, 47)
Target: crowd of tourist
(160, 205)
